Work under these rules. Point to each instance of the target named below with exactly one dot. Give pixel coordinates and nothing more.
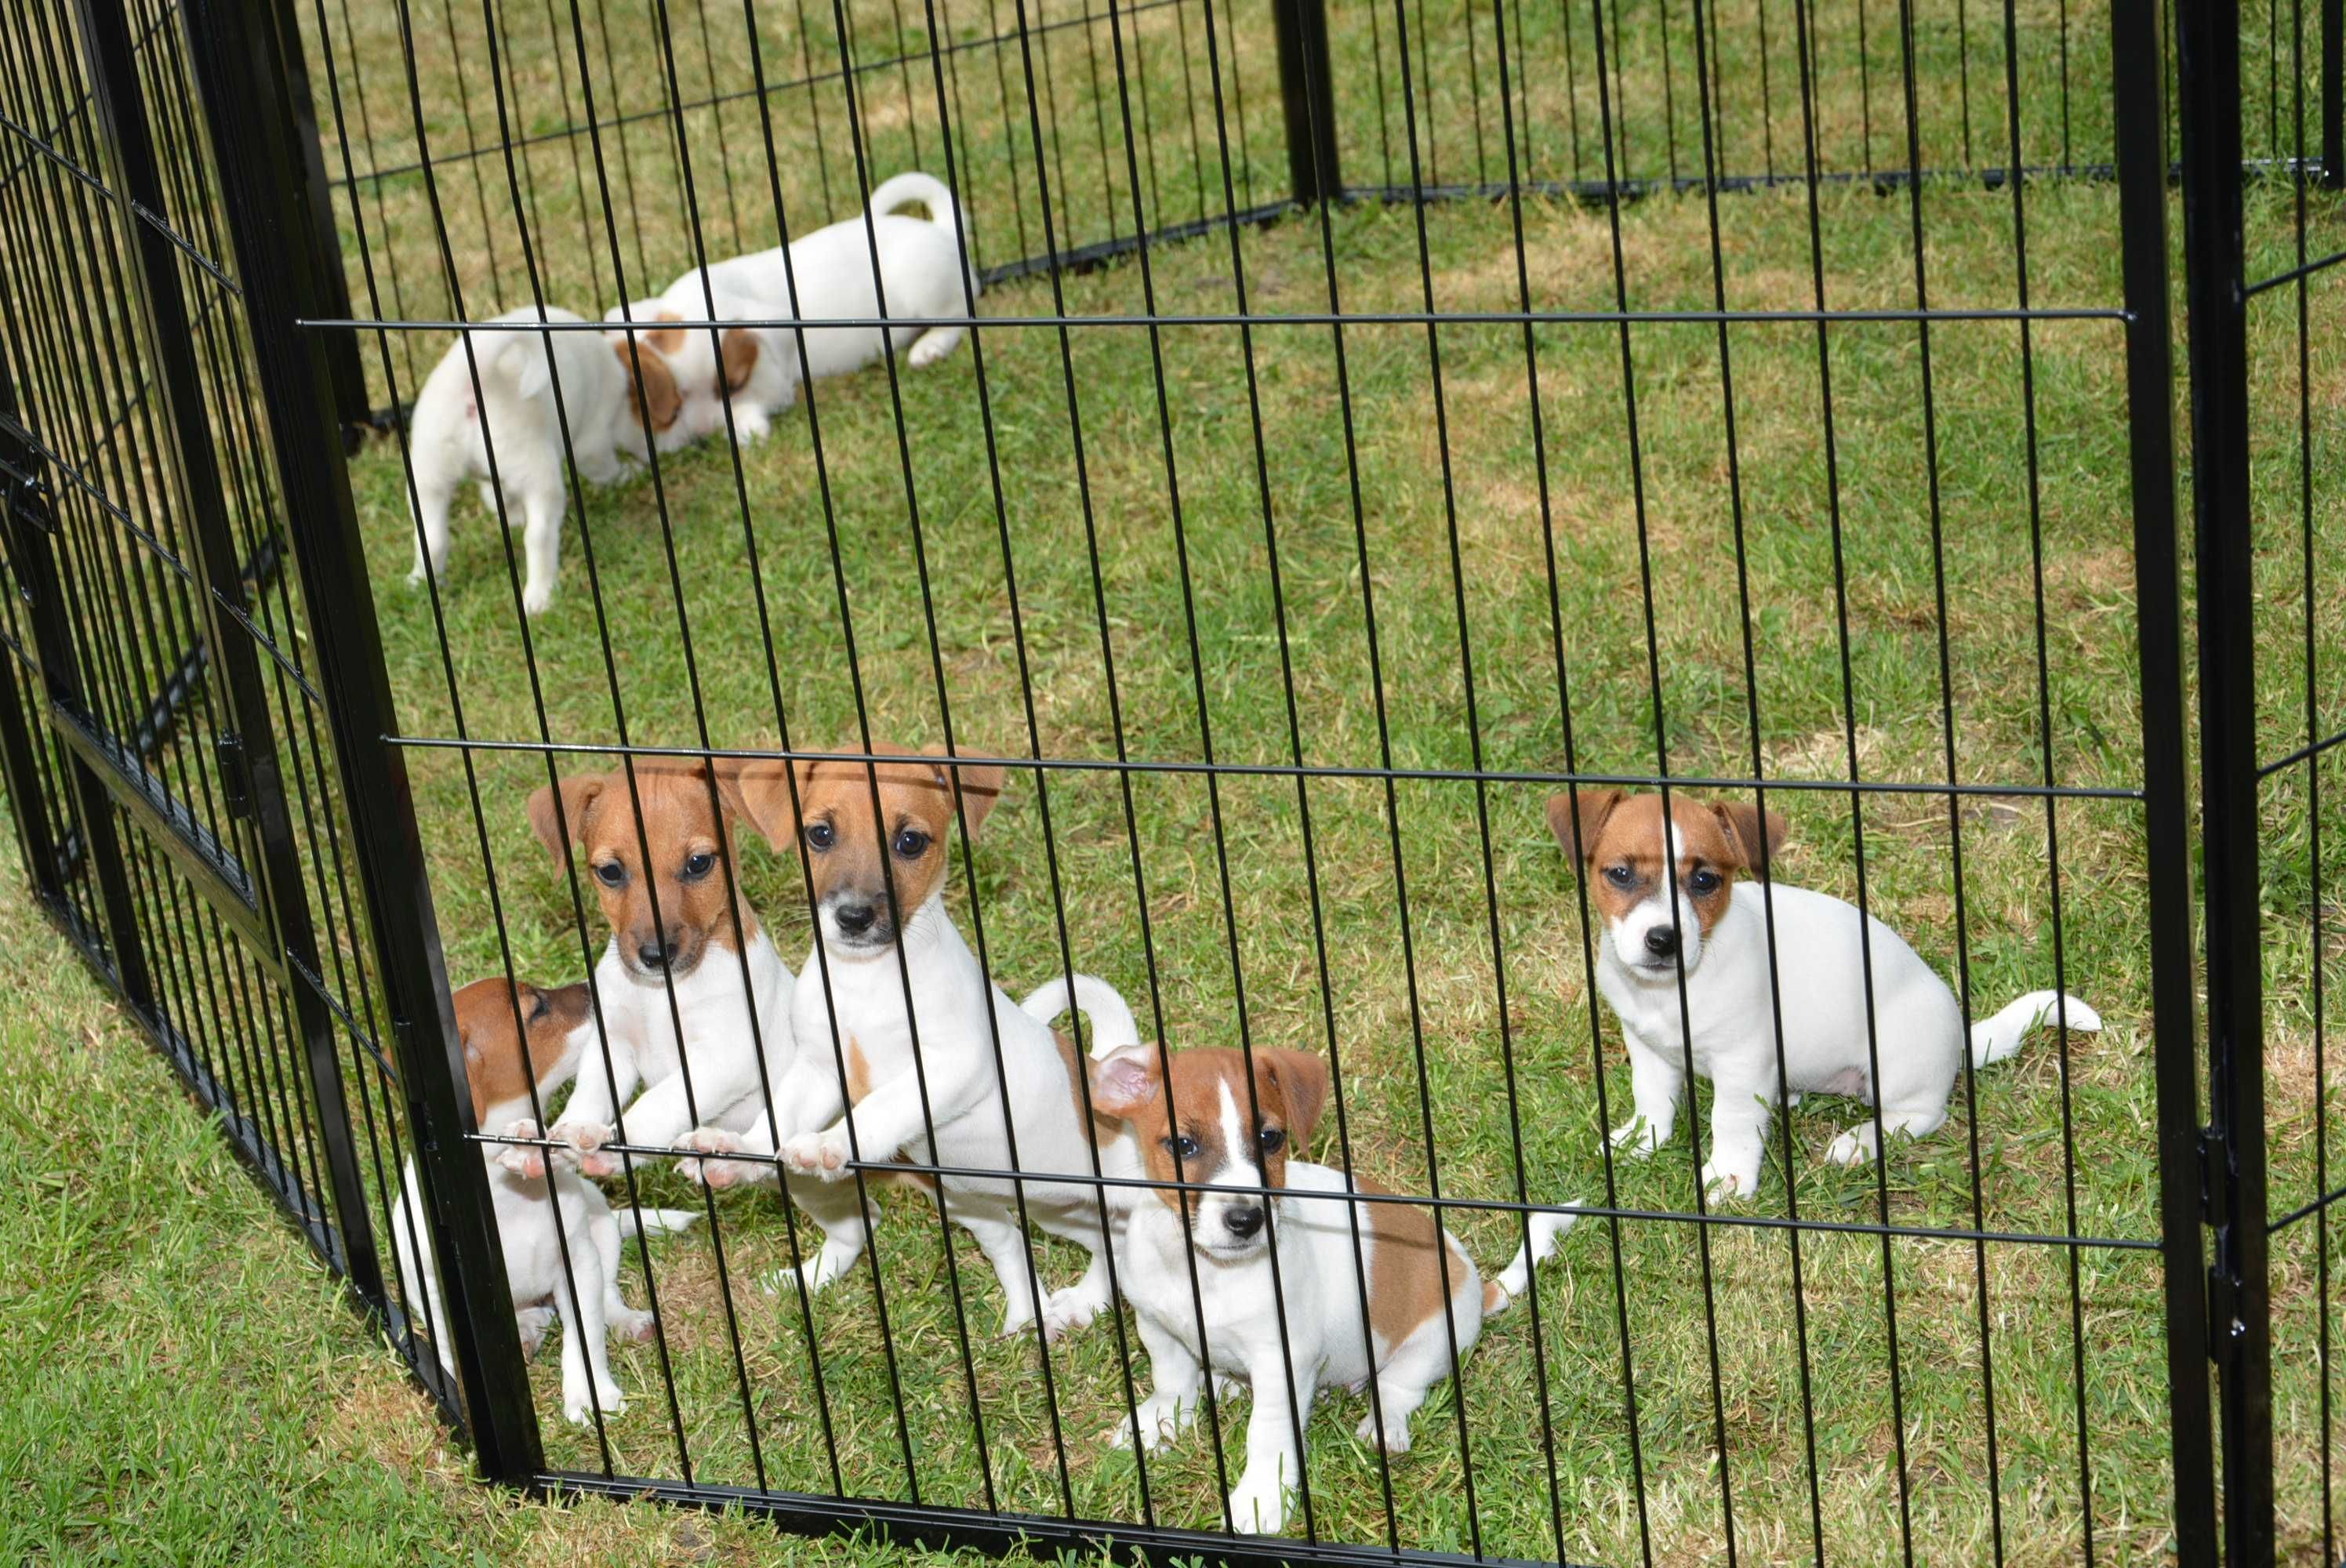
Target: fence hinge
(235, 774)
(2215, 1177)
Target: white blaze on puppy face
(1660, 879)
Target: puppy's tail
(1993, 1039)
(635, 1222)
(1113, 1025)
(1547, 1230)
(516, 360)
(931, 192)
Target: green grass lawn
(987, 569)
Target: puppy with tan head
(1686, 961)
(690, 986)
(901, 1029)
(514, 1036)
(1221, 1120)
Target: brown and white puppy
(693, 990)
(541, 1218)
(900, 990)
(1213, 1121)
(1668, 883)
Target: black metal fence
(1376, 421)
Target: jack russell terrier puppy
(1209, 1123)
(1643, 865)
(676, 958)
(868, 874)
(921, 272)
(450, 433)
(500, 1065)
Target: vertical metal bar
(109, 48)
(300, 114)
(2209, 58)
(2334, 94)
(37, 579)
(236, 55)
(17, 758)
(1306, 90)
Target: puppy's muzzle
(1243, 1221)
(861, 922)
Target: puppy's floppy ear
(1124, 1082)
(1301, 1079)
(1577, 829)
(979, 786)
(665, 340)
(740, 353)
(579, 796)
(760, 792)
(1748, 829)
(649, 375)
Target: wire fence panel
(1403, 781)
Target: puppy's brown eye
(910, 843)
(611, 874)
(1184, 1148)
(1705, 880)
(819, 835)
(537, 1005)
(1619, 876)
(698, 865)
(1272, 1139)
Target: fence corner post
(1306, 90)
(237, 50)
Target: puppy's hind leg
(933, 345)
(1860, 1144)
(1004, 1246)
(1417, 1364)
(846, 1225)
(543, 546)
(432, 494)
(618, 1317)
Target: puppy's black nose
(652, 954)
(1243, 1222)
(1662, 941)
(856, 919)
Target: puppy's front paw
(751, 425)
(537, 597)
(1392, 1439)
(1638, 1137)
(1063, 1311)
(633, 1325)
(580, 1410)
(820, 1155)
(1257, 1507)
(1160, 1419)
(525, 1160)
(715, 1174)
(1727, 1180)
(587, 1140)
(1853, 1147)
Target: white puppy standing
(450, 433)
(921, 272)
(1643, 865)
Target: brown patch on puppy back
(739, 354)
(1405, 1273)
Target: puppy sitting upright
(675, 1015)
(934, 1065)
(1213, 1124)
(500, 1065)
(1665, 885)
